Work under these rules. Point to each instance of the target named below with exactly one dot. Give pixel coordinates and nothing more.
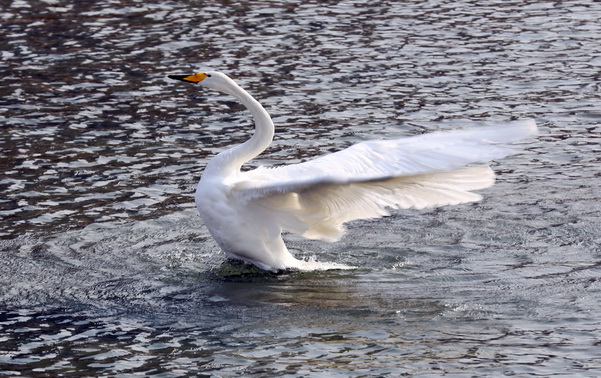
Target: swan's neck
(230, 161)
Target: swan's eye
(208, 75)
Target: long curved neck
(231, 160)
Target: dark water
(107, 269)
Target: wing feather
(319, 211)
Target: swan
(246, 212)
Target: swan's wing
(315, 198)
(438, 151)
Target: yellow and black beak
(196, 78)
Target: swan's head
(214, 80)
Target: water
(107, 269)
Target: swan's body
(246, 212)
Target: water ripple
(108, 270)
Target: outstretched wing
(315, 198)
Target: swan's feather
(439, 151)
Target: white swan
(246, 212)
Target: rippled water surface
(107, 269)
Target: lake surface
(108, 270)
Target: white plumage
(246, 212)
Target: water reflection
(53, 342)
